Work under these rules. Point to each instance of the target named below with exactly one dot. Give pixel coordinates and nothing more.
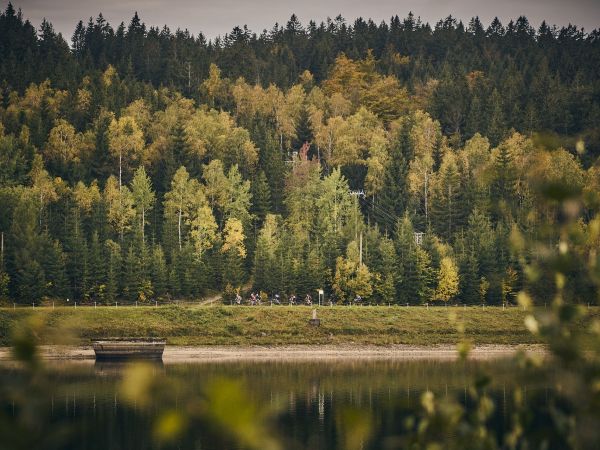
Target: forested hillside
(401, 162)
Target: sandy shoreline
(175, 354)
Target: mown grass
(224, 325)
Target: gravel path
(176, 354)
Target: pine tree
(233, 269)
(475, 118)
(113, 270)
(261, 197)
(272, 162)
(406, 284)
(446, 202)
(496, 124)
(313, 271)
(174, 282)
(424, 277)
(469, 280)
(303, 131)
(159, 273)
(504, 182)
(96, 288)
(53, 263)
(30, 279)
(182, 266)
(132, 275)
(392, 201)
(385, 284)
(265, 264)
(479, 240)
(77, 265)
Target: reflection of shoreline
(113, 368)
(178, 354)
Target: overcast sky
(217, 17)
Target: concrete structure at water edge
(129, 348)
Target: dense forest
(400, 162)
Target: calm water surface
(307, 403)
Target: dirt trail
(218, 297)
(175, 354)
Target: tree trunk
(426, 204)
(179, 228)
(120, 168)
(143, 226)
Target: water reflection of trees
(535, 403)
(308, 402)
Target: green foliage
(458, 148)
(506, 217)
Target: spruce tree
(261, 197)
(113, 271)
(391, 201)
(132, 275)
(406, 250)
(496, 128)
(97, 270)
(470, 280)
(159, 273)
(424, 280)
(53, 261)
(447, 201)
(77, 266)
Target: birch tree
(143, 197)
(182, 200)
(447, 286)
(424, 137)
(126, 142)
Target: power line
(385, 215)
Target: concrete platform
(129, 348)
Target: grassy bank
(276, 325)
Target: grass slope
(276, 325)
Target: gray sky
(217, 17)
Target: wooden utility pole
(358, 194)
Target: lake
(361, 404)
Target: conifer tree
(385, 282)
(446, 202)
(261, 196)
(406, 261)
(132, 274)
(97, 273)
(469, 279)
(159, 272)
(496, 127)
(265, 263)
(113, 270)
(424, 276)
(53, 264)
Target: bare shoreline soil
(181, 354)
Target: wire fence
(203, 303)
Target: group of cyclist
(256, 299)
